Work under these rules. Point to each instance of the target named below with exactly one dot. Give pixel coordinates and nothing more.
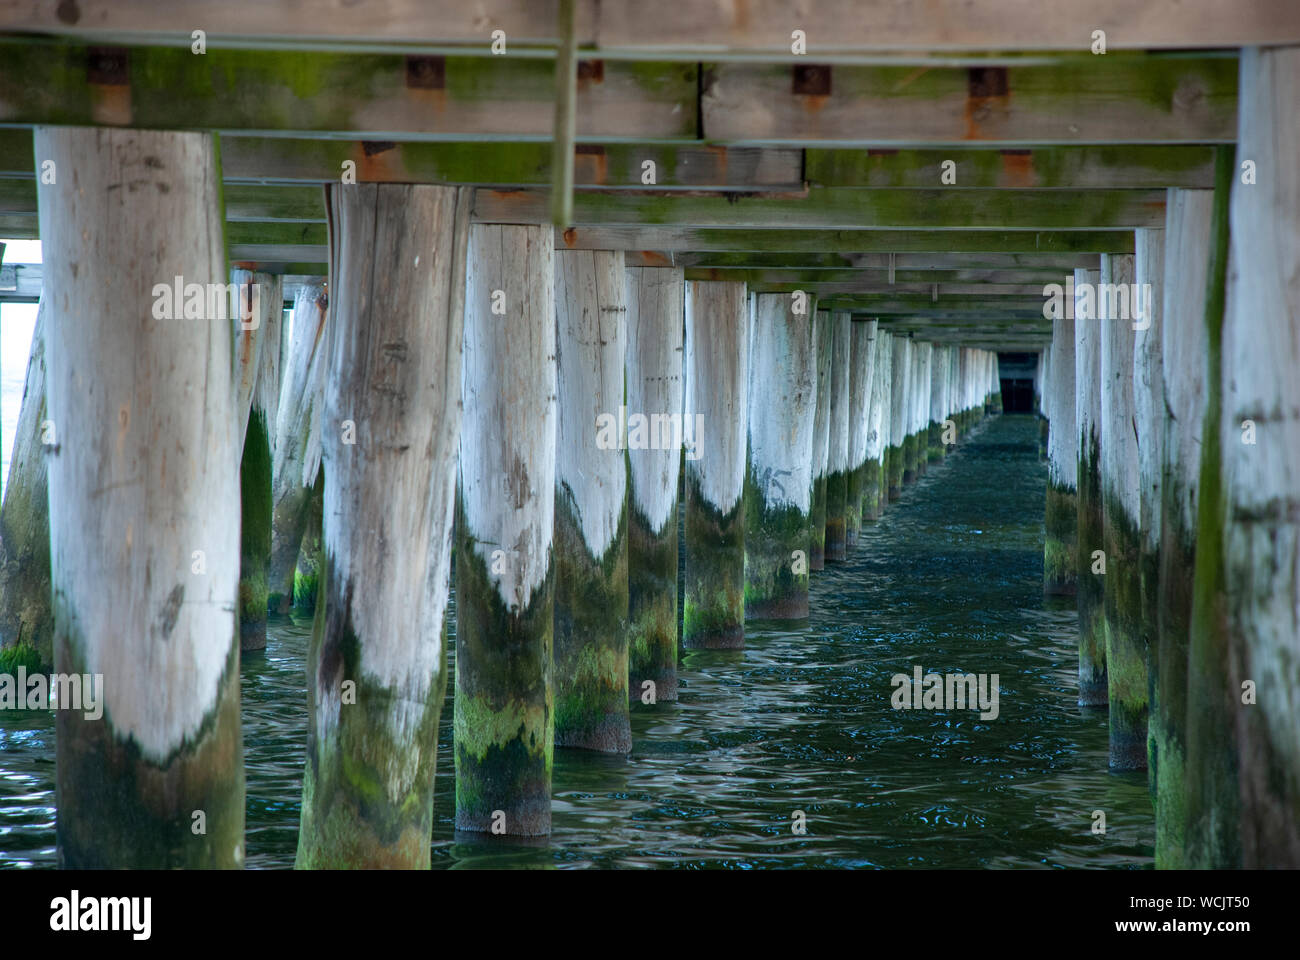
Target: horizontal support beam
(293, 160)
(757, 28)
(842, 208)
(1116, 98)
(1134, 165)
(666, 240)
(369, 96)
(877, 281)
(290, 160)
(902, 263)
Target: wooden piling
(717, 374)
(377, 665)
(837, 476)
(821, 440)
(656, 298)
(26, 618)
(1090, 593)
(144, 493)
(778, 471)
(1126, 670)
(591, 579)
(504, 723)
(1184, 350)
(296, 457)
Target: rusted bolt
(811, 78)
(426, 73)
(107, 66)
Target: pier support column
(591, 580)
(257, 344)
(837, 471)
(900, 413)
(778, 473)
(654, 391)
(860, 378)
(26, 618)
(921, 409)
(1148, 422)
(1261, 546)
(144, 494)
(1042, 388)
(873, 478)
(296, 459)
(1184, 348)
(938, 386)
(504, 707)
(821, 439)
(377, 667)
(1126, 665)
(717, 380)
(1061, 545)
(912, 411)
(1090, 593)
(886, 413)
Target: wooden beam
(876, 280)
(834, 208)
(666, 240)
(758, 28)
(904, 263)
(290, 160)
(1116, 98)
(1063, 167)
(843, 208)
(376, 96)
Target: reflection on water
(950, 579)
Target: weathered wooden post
(1061, 543)
(900, 413)
(377, 667)
(837, 476)
(1261, 444)
(938, 389)
(26, 618)
(860, 378)
(1126, 670)
(921, 405)
(1148, 423)
(591, 581)
(256, 329)
(1090, 588)
(654, 392)
(1042, 402)
(821, 440)
(873, 481)
(886, 413)
(144, 493)
(1184, 348)
(912, 407)
(717, 372)
(296, 460)
(504, 707)
(778, 473)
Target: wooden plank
(757, 28)
(841, 208)
(1118, 98)
(620, 165)
(666, 240)
(903, 263)
(613, 165)
(376, 96)
(875, 280)
(1104, 167)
